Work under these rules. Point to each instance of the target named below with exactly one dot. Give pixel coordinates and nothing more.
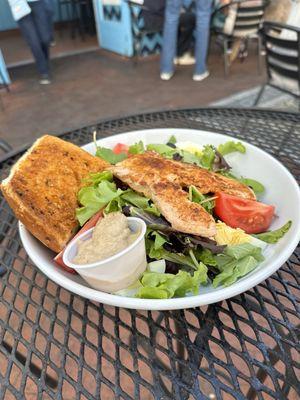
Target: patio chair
(247, 22)
(5, 146)
(282, 43)
(139, 32)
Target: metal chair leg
(225, 54)
(259, 95)
(5, 146)
(259, 56)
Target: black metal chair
(282, 44)
(139, 32)
(5, 146)
(248, 20)
(79, 16)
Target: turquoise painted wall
(6, 19)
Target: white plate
(281, 190)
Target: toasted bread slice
(42, 188)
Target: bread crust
(43, 185)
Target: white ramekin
(116, 272)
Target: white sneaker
(166, 76)
(45, 80)
(185, 59)
(200, 77)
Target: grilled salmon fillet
(42, 188)
(164, 181)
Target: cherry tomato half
(249, 215)
(89, 224)
(121, 148)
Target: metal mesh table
(57, 345)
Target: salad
(179, 263)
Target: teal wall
(6, 19)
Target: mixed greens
(179, 263)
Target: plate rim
(215, 296)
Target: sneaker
(200, 77)
(44, 80)
(185, 59)
(166, 76)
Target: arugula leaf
(137, 148)
(160, 253)
(206, 257)
(159, 240)
(172, 139)
(274, 236)
(256, 186)
(109, 156)
(231, 147)
(204, 201)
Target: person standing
(153, 15)
(172, 14)
(33, 20)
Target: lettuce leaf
(236, 262)
(274, 236)
(172, 140)
(137, 148)
(234, 270)
(207, 156)
(94, 179)
(162, 149)
(165, 286)
(94, 198)
(242, 250)
(190, 158)
(141, 202)
(109, 156)
(231, 147)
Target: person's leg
(203, 14)
(30, 34)
(170, 31)
(50, 12)
(185, 33)
(41, 21)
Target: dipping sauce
(110, 236)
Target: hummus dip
(110, 236)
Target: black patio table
(57, 345)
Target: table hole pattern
(56, 345)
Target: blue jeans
(35, 29)
(49, 4)
(172, 13)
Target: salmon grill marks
(163, 181)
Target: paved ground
(89, 87)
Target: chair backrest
(243, 17)
(282, 43)
(249, 17)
